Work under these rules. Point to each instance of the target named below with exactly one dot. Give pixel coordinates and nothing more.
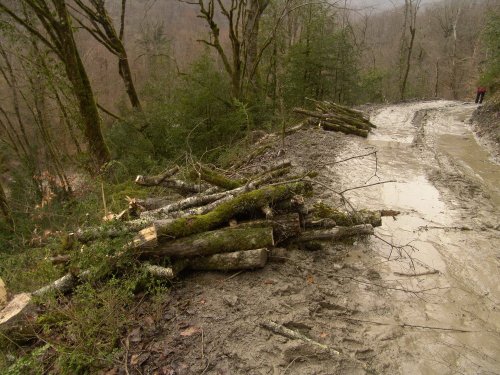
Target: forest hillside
(131, 125)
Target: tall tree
(243, 19)
(411, 8)
(56, 33)
(103, 30)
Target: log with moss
(342, 218)
(207, 174)
(21, 307)
(336, 233)
(213, 242)
(156, 180)
(238, 260)
(284, 226)
(240, 205)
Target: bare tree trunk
(411, 11)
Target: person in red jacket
(480, 94)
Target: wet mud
(421, 297)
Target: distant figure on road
(480, 94)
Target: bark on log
(284, 226)
(21, 306)
(344, 128)
(156, 180)
(336, 233)
(213, 242)
(238, 260)
(323, 211)
(167, 273)
(242, 204)
(214, 178)
(175, 210)
(326, 223)
(153, 203)
(183, 186)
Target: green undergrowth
(78, 333)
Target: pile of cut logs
(221, 224)
(332, 116)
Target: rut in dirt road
(449, 194)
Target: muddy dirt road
(449, 194)
(428, 306)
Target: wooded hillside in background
(144, 83)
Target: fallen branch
(239, 260)
(335, 233)
(156, 180)
(212, 242)
(283, 331)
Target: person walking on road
(480, 94)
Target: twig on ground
(283, 331)
(433, 272)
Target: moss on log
(156, 180)
(212, 177)
(213, 242)
(241, 204)
(239, 260)
(323, 211)
(335, 233)
(284, 226)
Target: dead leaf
(310, 279)
(190, 331)
(138, 359)
(269, 281)
(149, 320)
(135, 335)
(323, 335)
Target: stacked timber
(222, 223)
(334, 117)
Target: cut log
(242, 204)
(153, 203)
(344, 128)
(323, 211)
(156, 180)
(22, 307)
(238, 260)
(207, 174)
(326, 223)
(213, 242)
(284, 226)
(145, 239)
(167, 273)
(336, 233)
(176, 209)
(183, 186)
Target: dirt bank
(421, 297)
(486, 124)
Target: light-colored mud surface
(427, 306)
